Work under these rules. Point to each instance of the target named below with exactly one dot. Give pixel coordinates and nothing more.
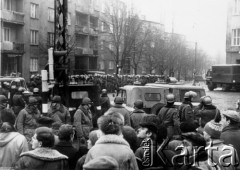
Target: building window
(110, 46)
(51, 14)
(8, 4)
(34, 8)
(69, 18)
(6, 34)
(50, 39)
(111, 65)
(101, 65)
(235, 37)
(34, 37)
(33, 65)
(236, 7)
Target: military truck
(226, 76)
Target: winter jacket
(43, 159)
(116, 147)
(12, 144)
(83, 122)
(186, 112)
(66, 148)
(136, 117)
(207, 113)
(221, 150)
(62, 115)
(230, 135)
(105, 103)
(18, 103)
(168, 116)
(121, 109)
(26, 122)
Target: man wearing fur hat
(230, 133)
(118, 107)
(212, 132)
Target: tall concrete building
(233, 32)
(27, 31)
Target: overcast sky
(203, 21)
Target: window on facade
(236, 7)
(69, 18)
(111, 65)
(236, 37)
(33, 65)
(34, 8)
(50, 39)
(101, 65)
(8, 4)
(34, 37)
(51, 14)
(6, 34)
(102, 45)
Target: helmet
(32, 101)
(170, 98)
(118, 100)
(3, 99)
(35, 90)
(207, 100)
(21, 89)
(86, 101)
(138, 104)
(56, 99)
(104, 91)
(190, 94)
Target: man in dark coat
(168, 116)
(65, 147)
(38, 97)
(104, 101)
(137, 115)
(231, 130)
(208, 111)
(18, 101)
(186, 109)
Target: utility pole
(195, 65)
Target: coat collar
(112, 139)
(138, 111)
(118, 105)
(231, 127)
(45, 154)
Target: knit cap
(213, 129)
(101, 163)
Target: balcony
(83, 51)
(81, 29)
(12, 47)
(12, 17)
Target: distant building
(233, 32)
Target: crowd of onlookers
(181, 137)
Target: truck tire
(211, 87)
(156, 108)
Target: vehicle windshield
(152, 96)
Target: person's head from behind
(130, 135)
(66, 133)
(138, 104)
(112, 124)
(43, 137)
(93, 137)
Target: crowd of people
(181, 137)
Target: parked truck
(226, 76)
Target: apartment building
(233, 32)
(27, 31)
